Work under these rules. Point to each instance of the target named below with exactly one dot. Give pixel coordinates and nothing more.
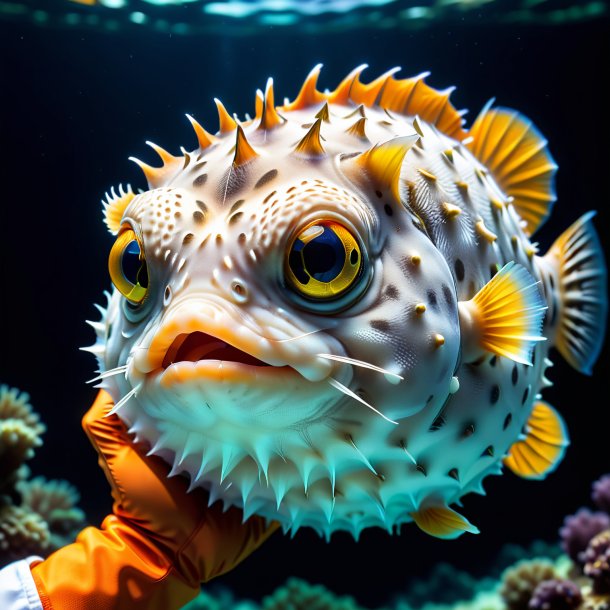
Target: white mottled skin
(288, 445)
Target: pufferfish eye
(323, 260)
(127, 266)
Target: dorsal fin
(515, 152)
(544, 445)
(411, 96)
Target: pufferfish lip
(196, 346)
(197, 355)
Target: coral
(22, 533)
(297, 594)
(556, 594)
(20, 430)
(55, 501)
(601, 493)
(597, 562)
(36, 516)
(578, 529)
(520, 581)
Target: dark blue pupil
(131, 263)
(323, 257)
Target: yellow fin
(244, 153)
(577, 262)
(544, 445)
(383, 162)
(311, 143)
(442, 522)
(225, 120)
(505, 317)
(115, 205)
(515, 152)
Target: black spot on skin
(495, 394)
(507, 421)
(459, 269)
(448, 295)
(526, 394)
(429, 399)
(380, 325)
(379, 194)
(388, 210)
(468, 431)
(438, 423)
(198, 217)
(235, 217)
(515, 375)
(265, 178)
(454, 474)
(493, 360)
(269, 196)
(200, 180)
(432, 300)
(202, 206)
(533, 356)
(421, 468)
(188, 238)
(391, 292)
(489, 452)
(492, 271)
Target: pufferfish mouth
(197, 346)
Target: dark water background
(75, 104)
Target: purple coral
(597, 562)
(601, 493)
(556, 594)
(579, 529)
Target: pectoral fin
(543, 448)
(505, 317)
(442, 522)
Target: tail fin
(580, 270)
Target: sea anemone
(579, 529)
(55, 501)
(601, 493)
(520, 581)
(597, 562)
(556, 594)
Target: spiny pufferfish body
(332, 314)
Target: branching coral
(46, 517)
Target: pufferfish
(332, 315)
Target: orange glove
(160, 542)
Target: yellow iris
(323, 260)
(127, 267)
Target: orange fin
(544, 445)
(115, 205)
(505, 317)
(578, 262)
(442, 522)
(515, 152)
